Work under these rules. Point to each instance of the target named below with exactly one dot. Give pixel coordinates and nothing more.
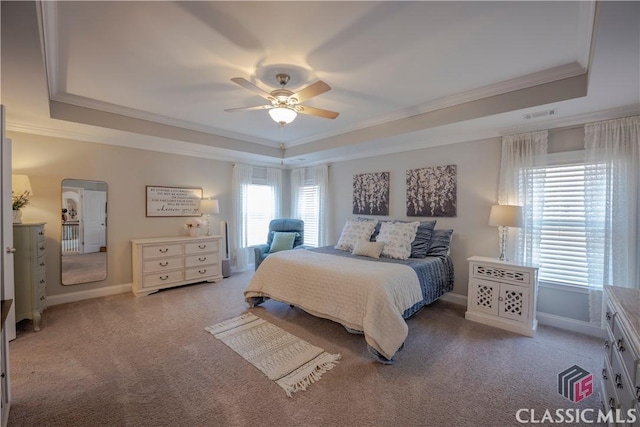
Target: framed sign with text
(173, 201)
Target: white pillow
(397, 238)
(370, 249)
(353, 232)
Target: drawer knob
(606, 344)
(618, 381)
(604, 374)
(11, 250)
(202, 271)
(164, 250)
(42, 264)
(42, 298)
(164, 277)
(202, 246)
(621, 345)
(608, 315)
(42, 281)
(638, 392)
(612, 404)
(42, 248)
(202, 259)
(164, 264)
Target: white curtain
(612, 181)
(317, 177)
(243, 177)
(519, 184)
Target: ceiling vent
(539, 114)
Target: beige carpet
(126, 361)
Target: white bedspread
(364, 295)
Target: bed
(372, 296)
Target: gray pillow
(440, 242)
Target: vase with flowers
(18, 201)
(194, 226)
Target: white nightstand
(503, 294)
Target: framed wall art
(432, 191)
(173, 201)
(371, 193)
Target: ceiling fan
(284, 104)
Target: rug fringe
(292, 384)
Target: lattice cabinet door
(484, 296)
(514, 302)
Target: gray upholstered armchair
(285, 225)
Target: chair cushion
(282, 241)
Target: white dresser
(30, 272)
(503, 294)
(620, 382)
(166, 262)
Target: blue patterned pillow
(440, 242)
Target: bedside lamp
(503, 216)
(209, 207)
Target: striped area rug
(291, 362)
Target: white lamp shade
(505, 216)
(20, 184)
(282, 115)
(209, 206)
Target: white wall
(478, 165)
(126, 171)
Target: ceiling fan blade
(253, 88)
(259, 107)
(314, 89)
(316, 112)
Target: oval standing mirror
(84, 231)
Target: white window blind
(562, 253)
(309, 211)
(260, 211)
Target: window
(260, 211)
(563, 224)
(256, 202)
(308, 211)
(308, 202)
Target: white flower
(193, 223)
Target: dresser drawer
(200, 272)
(624, 349)
(40, 234)
(40, 249)
(200, 260)
(161, 251)
(163, 278)
(609, 315)
(621, 381)
(202, 246)
(503, 274)
(161, 264)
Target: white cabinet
(503, 294)
(166, 262)
(620, 381)
(30, 272)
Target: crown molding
(523, 82)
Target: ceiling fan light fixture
(282, 116)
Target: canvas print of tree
(371, 193)
(432, 191)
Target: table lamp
(503, 216)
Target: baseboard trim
(454, 298)
(570, 324)
(559, 322)
(89, 294)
